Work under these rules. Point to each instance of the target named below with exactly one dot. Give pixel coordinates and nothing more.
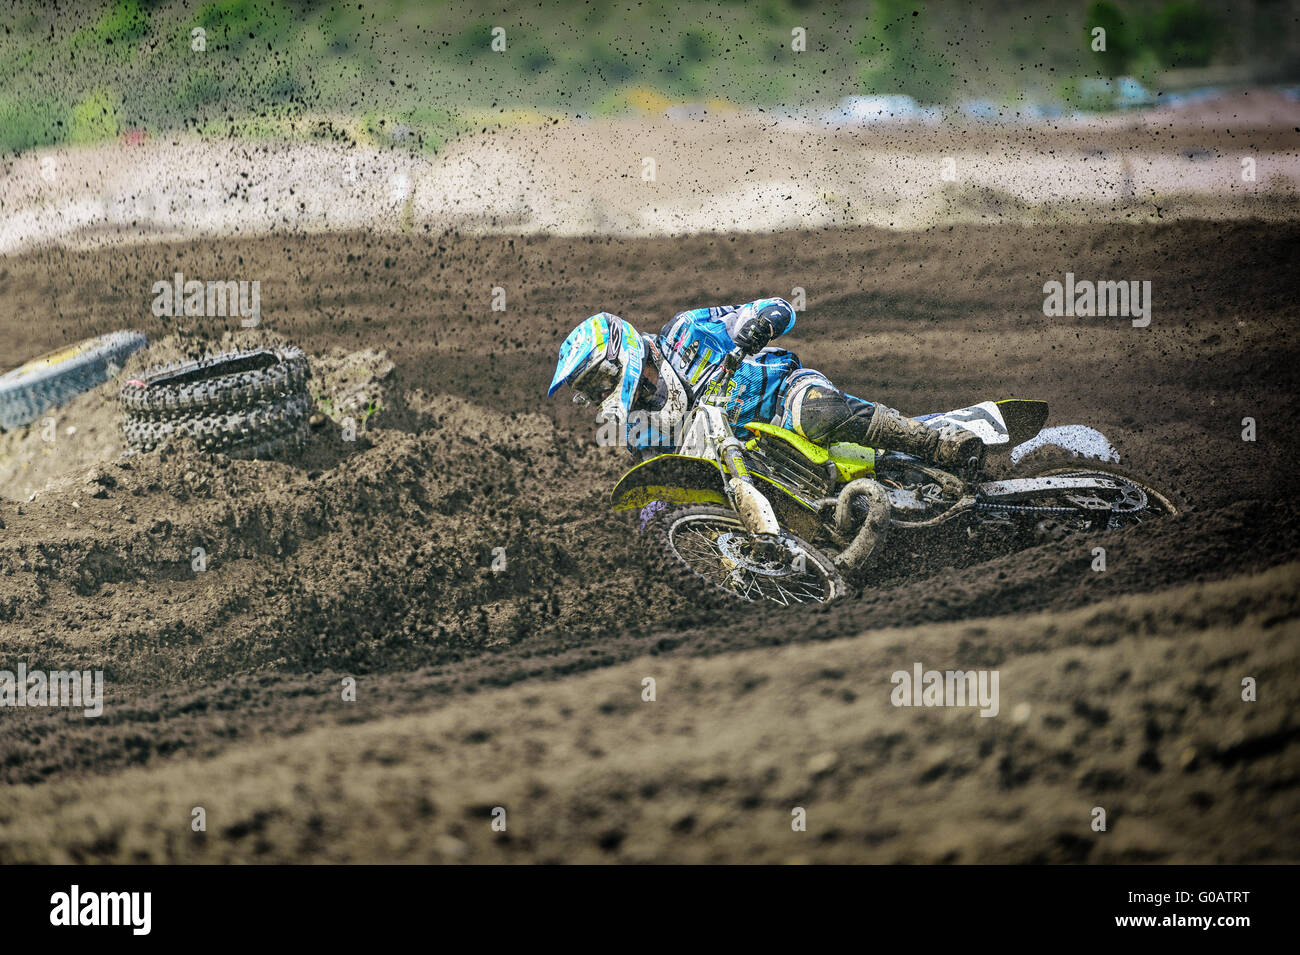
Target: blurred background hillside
(388, 72)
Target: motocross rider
(648, 383)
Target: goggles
(597, 382)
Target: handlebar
(718, 380)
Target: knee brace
(817, 409)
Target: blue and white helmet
(601, 353)
(604, 361)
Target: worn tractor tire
(256, 431)
(231, 382)
(42, 383)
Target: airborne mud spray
(457, 562)
(404, 625)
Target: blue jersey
(696, 341)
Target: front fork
(751, 504)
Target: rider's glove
(753, 336)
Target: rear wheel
(710, 545)
(1131, 500)
(221, 384)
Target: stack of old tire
(246, 404)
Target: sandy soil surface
(654, 176)
(522, 688)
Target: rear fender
(1078, 439)
(1001, 425)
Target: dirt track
(373, 560)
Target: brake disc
(732, 547)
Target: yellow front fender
(675, 478)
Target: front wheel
(711, 545)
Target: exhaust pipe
(873, 530)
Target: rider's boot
(827, 416)
(950, 448)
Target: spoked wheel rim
(719, 550)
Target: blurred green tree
(1184, 34)
(123, 22)
(94, 117)
(1120, 39)
(901, 57)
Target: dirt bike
(776, 517)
